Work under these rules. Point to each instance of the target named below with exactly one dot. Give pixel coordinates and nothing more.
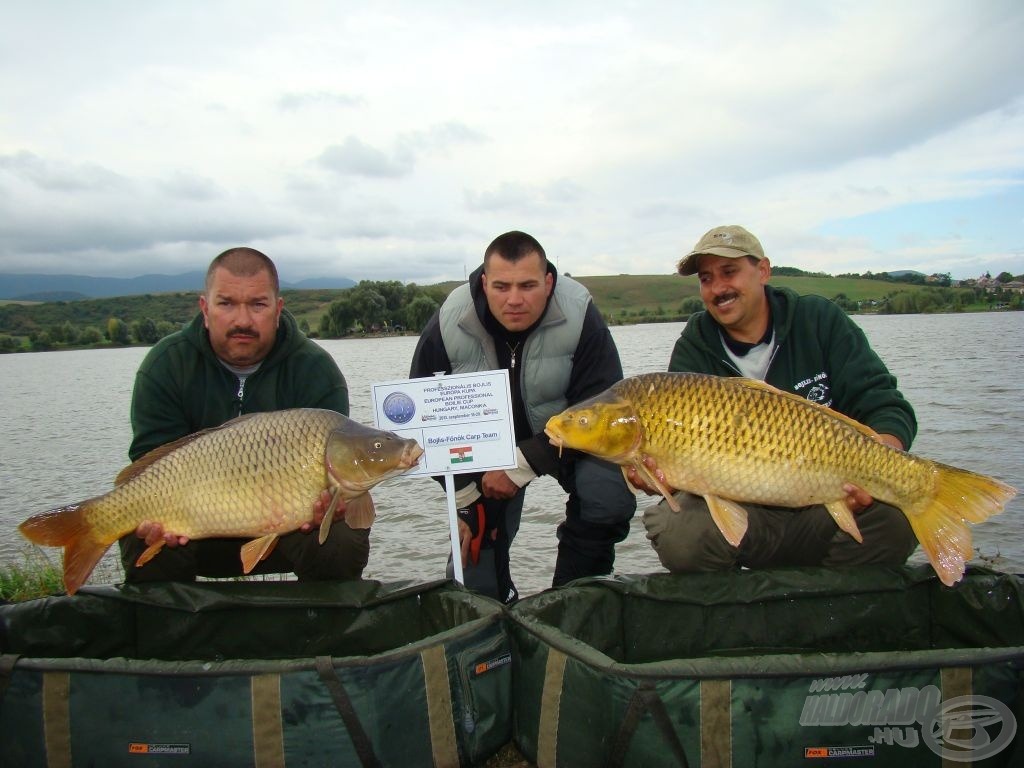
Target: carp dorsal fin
(360, 512)
(766, 387)
(147, 460)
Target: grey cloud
(520, 198)
(105, 213)
(668, 209)
(814, 108)
(29, 168)
(294, 101)
(117, 233)
(441, 137)
(354, 158)
(507, 196)
(189, 186)
(563, 191)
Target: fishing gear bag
(254, 674)
(865, 666)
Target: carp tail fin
(940, 522)
(68, 527)
(80, 557)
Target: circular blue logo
(399, 407)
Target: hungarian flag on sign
(461, 455)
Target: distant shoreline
(613, 322)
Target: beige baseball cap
(730, 241)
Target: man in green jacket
(243, 353)
(800, 344)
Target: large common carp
(257, 476)
(741, 440)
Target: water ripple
(66, 436)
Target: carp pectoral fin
(653, 481)
(149, 554)
(844, 519)
(328, 521)
(360, 512)
(730, 518)
(625, 474)
(256, 550)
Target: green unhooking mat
(254, 674)
(803, 667)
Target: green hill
(621, 298)
(647, 295)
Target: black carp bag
(254, 674)
(794, 667)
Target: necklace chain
(513, 350)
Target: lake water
(65, 434)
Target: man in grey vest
(517, 313)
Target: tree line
(387, 307)
(370, 306)
(937, 300)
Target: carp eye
(583, 421)
(378, 444)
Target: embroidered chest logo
(815, 389)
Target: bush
(9, 344)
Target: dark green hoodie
(820, 354)
(182, 387)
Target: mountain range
(35, 287)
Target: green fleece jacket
(820, 354)
(182, 387)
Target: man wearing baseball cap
(800, 344)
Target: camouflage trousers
(689, 540)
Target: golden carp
(741, 440)
(259, 475)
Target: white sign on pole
(463, 422)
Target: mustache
(726, 297)
(239, 331)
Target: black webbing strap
(645, 699)
(361, 742)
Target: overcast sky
(395, 140)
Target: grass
(38, 577)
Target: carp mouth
(555, 440)
(411, 456)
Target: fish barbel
(257, 476)
(741, 440)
